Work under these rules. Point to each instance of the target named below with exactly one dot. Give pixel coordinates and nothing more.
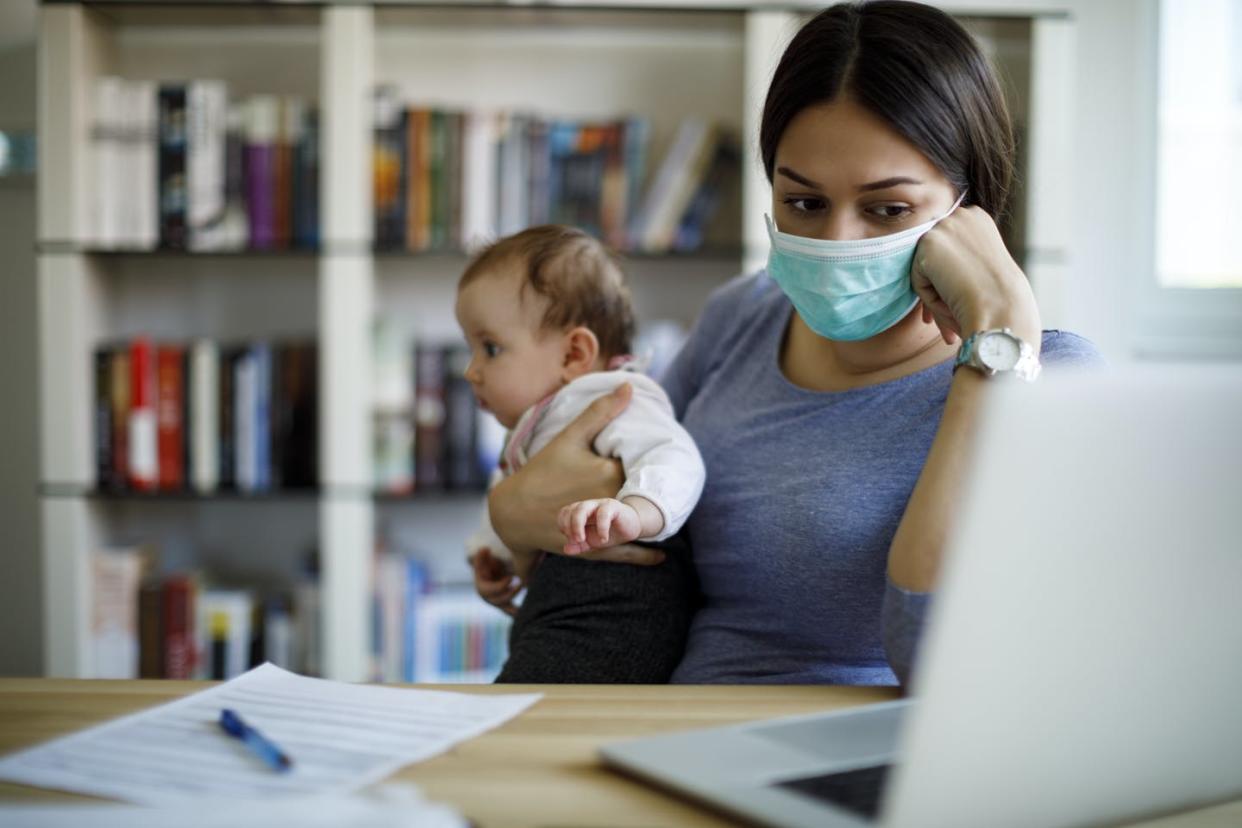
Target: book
(655, 225)
(306, 183)
(105, 464)
(172, 165)
(170, 395)
(206, 113)
(120, 399)
(115, 575)
(222, 633)
(143, 465)
(262, 129)
(150, 629)
(177, 602)
(429, 416)
(204, 394)
(461, 462)
(294, 416)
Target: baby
(548, 319)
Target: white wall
(21, 649)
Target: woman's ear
(581, 353)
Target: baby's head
(540, 308)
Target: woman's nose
(843, 225)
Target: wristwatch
(998, 351)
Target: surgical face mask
(848, 290)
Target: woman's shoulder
(739, 300)
(1068, 348)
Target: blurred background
(235, 425)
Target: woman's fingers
(626, 553)
(587, 425)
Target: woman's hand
(968, 282)
(524, 507)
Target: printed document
(340, 737)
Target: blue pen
(259, 744)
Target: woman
(823, 392)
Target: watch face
(999, 352)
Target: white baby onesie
(660, 459)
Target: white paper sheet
(339, 736)
(398, 805)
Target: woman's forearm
(915, 555)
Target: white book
(144, 213)
(222, 617)
(278, 638)
(659, 204)
(245, 391)
(478, 185)
(206, 125)
(106, 161)
(513, 175)
(114, 612)
(205, 415)
(390, 588)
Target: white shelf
(333, 54)
(657, 59)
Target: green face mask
(848, 290)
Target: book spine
(244, 404)
(227, 464)
(143, 457)
(461, 464)
(114, 612)
(105, 464)
(120, 396)
(172, 166)
(204, 419)
(306, 205)
(429, 418)
(150, 630)
(206, 118)
(178, 627)
(263, 416)
(261, 134)
(170, 391)
(439, 179)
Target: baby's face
(513, 364)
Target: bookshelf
(663, 61)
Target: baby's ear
(581, 353)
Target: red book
(178, 607)
(170, 399)
(143, 461)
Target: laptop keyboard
(857, 790)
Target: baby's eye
(799, 204)
(890, 212)
(491, 349)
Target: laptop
(1083, 659)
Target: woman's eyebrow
(886, 183)
(805, 182)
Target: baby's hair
(576, 273)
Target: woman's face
(842, 173)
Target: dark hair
(915, 67)
(578, 276)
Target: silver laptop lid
(1084, 660)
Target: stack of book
(173, 417)
(429, 434)
(433, 634)
(180, 626)
(180, 166)
(450, 180)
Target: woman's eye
(890, 212)
(805, 205)
(491, 349)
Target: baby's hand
(495, 581)
(597, 524)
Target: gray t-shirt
(804, 493)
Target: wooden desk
(538, 770)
